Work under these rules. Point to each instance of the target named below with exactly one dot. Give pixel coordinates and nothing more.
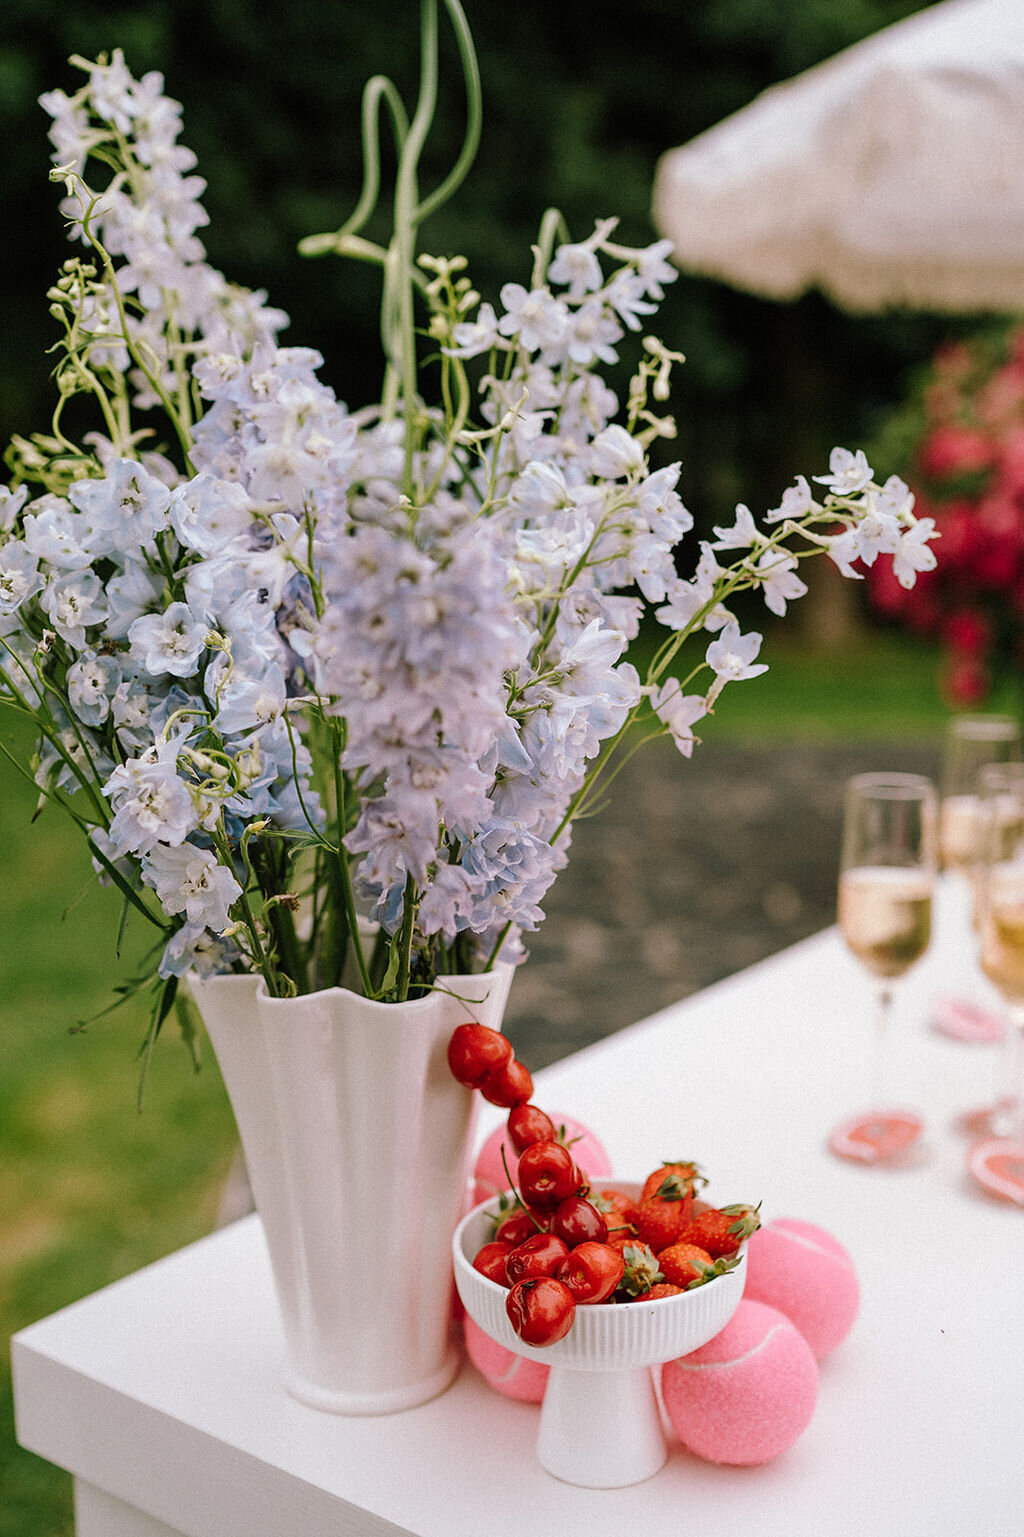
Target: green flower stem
(264, 964)
(405, 941)
(474, 114)
(552, 227)
(342, 860)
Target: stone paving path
(691, 872)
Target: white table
(161, 1393)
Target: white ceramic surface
(600, 1426)
(357, 1139)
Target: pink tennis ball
(745, 1396)
(489, 1172)
(808, 1275)
(511, 1375)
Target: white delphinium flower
(125, 510)
(615, 454)
(534, 317)
(189, 880)
(775, 574)
(152, 804)
(592, 334)
(797, 500)
(914, 553)
(626, 294)
(244, 702)
(91, 683)
(74, 604)
(211, 516)
(11, 503)
(58, 534)
(168, 642)
(743, 535)
(732, 658)
(847, 473)
(661, 506)
(130, 592)
(473, 337)
(577, 267)
(194, 948)
(19, 576)
(679, 712)
(877, 532)
(654, 268)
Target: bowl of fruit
(563, 1275)
(599, 1279)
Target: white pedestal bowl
(600, 1425)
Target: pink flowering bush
(959, 441)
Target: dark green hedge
(580, 100)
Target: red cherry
(547, 1174)
(508, 1086)
(541, 1310)
(540, 1255)
(475, 1052)
(519, 1225)
(528, 1123)
(490, 1261)
(592, 1271)
(577, 1221)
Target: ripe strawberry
(722, 1229)
(662, 1217)
(663, 1289)
(681, 1169)
(640, 1270)
(687, 1265)
(682, 1263)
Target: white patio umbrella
(892, 174)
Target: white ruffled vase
(357, 1141)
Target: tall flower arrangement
(294, 666)
(959, 439)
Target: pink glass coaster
(987, 1122)
(998, 1166)
(875, 1136)
(965, 1021)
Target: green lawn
(91, 1189)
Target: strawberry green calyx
(748, 1219)
(641, 1272)
(711, 1272)
(674, 1188)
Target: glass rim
(984, 728)
(893, 786)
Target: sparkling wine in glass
(886, 879)
(1000, 922)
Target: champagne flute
(887, 874)
(971, 742)
(999, 831)
(1000, 920)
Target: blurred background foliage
(578, 106)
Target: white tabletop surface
(164, 1389)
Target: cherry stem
(515, 1192)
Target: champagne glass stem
(883, 1013)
